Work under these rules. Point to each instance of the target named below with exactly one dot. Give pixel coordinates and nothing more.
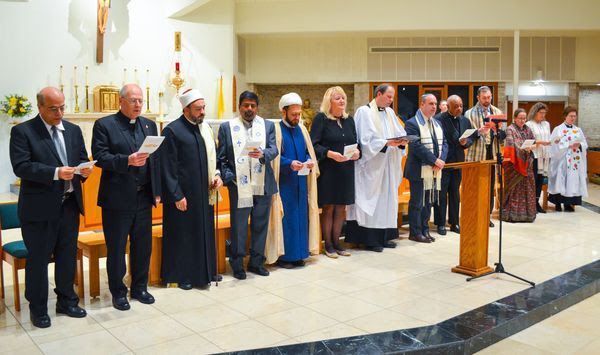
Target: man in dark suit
(454, 124)
(426, 159)
(250, 181)
(44, 152)
(129, 186)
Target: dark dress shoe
(239, 274)
(299, 263)
(375, 249)
(539, 208)
(217, 278)
(42, 321)
(441, 230)
(71, 311)
(429, 236)
(185, 286)
(285, 264)
(389, 244)
(455, 228)
(419, 238)
(569, 208)
(121, 303)
(558, 207)
(143, 296)
(258, 270)
(491, 224)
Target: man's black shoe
(285, 264)
(375, 249)
(455, 228)
(71, 311)
(143, 296)
(217, 278)
(259, 270)
(389, 244)
(42, 321)
(185, 286)
(441, 230)
(121, 303)
(419, 238)
(239, 274)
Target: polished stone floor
(368, 292)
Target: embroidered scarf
(432, 181)
(250, 173)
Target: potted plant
(15, 107)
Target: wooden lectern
(474, 217)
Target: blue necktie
(60, 148)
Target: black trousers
(449, 198)
(118, 225)
(259, 223)
(539, 180)
(419, 210)
(43, 240)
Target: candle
(176, 66)
(135, 77)
(60, 77)
(86, 76)
(147, 77)
(124, 76)
(75, 75)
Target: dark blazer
(418, 154)
(226, 160)
(456, 151)
(111, 147)
(34, 159)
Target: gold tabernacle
(106, 98)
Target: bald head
(51, 105)
(131, 100)
(455, 105)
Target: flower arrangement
(15, 106)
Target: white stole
(250, 173)
(211, 155)
(427, 173)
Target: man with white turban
(190, 182)
(246, 149)
(294, 226)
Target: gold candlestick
(76, 101)
(87, 99)
(148, 99)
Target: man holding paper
(296, 174)
(190, 181)
(459, 136)
(129, 186)
(44, 152)
(373, 218)
(250, 181)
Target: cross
(103, 6)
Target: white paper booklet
(528, 143)
(85, 165)
(151, 144)
(250, 146)
(349, 150)
(468, 133)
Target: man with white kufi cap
(190, 182)
(294, 229)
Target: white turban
(189, 96)
(290, 99)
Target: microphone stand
(499, 266)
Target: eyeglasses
(55, 109)
(135, 101)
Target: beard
(248, 115)
(291, 123)
(197, 120)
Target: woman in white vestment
(567, 182)
(536, 121)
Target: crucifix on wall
(103, 6)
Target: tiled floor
(575, 330)
(368, 292)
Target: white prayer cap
(189, 96)
(290, 99)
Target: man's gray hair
(425, 96)
(40, 98)
(126, 88)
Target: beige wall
(587, 59)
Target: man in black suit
(44, 152)
(454, 124)
(426, 159)
(129, 186)
(250, 181)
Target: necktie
(62, 154)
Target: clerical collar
(129, 120)
(569, 125)
(380, 108)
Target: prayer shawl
(541, 131)
(430, 178)
(274, 246)
(211, 154)
(476, 115)
(250, 174)
(568, 167)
